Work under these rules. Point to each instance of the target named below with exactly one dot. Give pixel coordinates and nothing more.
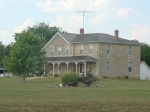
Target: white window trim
(108, 66)
(58, 51)
(129, 50)
(90, 49)
(107, 48)
(68, 50)
(81, 48)
(51, 51)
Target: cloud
(99, 18)
(2, 5)
(142, 33)
(73, 5)
(125, 13)
(20, 28)
(5, 37)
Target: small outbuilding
(144, 71)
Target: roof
(145, 64)
(68, 36)
(72, 59)
(95, 37)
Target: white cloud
(20, 28)
(99, 18)
(2, 5)
(5, 37)
(125, 13)
(73, 5)
(142, 33)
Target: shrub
(89, 74)
(56, 75)
(69, 77)
(126, 77)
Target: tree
(43, 30)
(145, 53)
(26, 56)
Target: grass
(113, 95)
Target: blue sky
(130, 17)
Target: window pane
(81, 49)
(129, 67)
(129, 50)
(108, 49)
(90, 49)
(108, 66)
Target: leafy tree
(145, 53)
(26, 56)
(43, 30)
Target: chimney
(82, 31)
(116, 34)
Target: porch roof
(72, 59)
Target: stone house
(98, 53)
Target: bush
(68, 78)
(89, 74)
(126, 77)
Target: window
(59, 51)
(67, 50)
(90, 67)
(81, 49)
(129, 67)
(108, 49)
(51, 51)
(129, 50)
(90, 49)
(108, 67)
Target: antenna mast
(83, 15)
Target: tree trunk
(24, 75)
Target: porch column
(76, 67)
(84, 68)
(67, 66)
(53, 69)
(58, 67)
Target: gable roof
(101, 37)
(93, 37)
(145, 64)
(68, 36)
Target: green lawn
(113, 95)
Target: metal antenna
(83, 15)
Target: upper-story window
(59, 51)
(108, 67)
(51, 51)
(81, 49)
(129, 67)
(129, 50)
(90, 49)
(108, 49)
(67, 49)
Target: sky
(130, 17)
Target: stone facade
(113, 59)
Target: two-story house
(98, 53)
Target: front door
(81, 69)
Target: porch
(79, 64)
